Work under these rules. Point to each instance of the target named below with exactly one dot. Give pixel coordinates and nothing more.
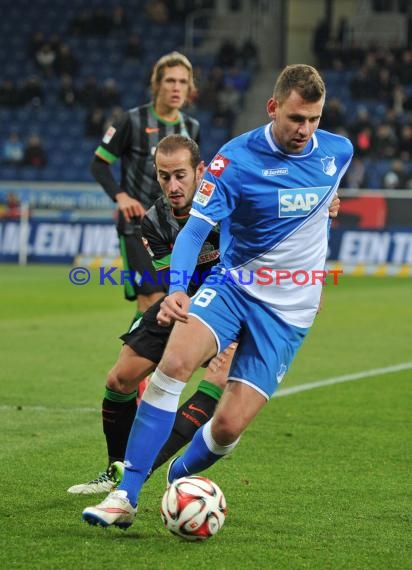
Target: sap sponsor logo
(204, 192)
(218, 164)
(329, 166)
(111, 131)
(275, 171)
(296, 202)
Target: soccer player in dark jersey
(132, 138)
(179, 170)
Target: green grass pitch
(321, 479)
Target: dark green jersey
(160, 228)
(133, 139)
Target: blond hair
(172, 59)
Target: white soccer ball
(193, 508)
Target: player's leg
(156, 414)
(140, 277)
(199, 407)
(266, 350)
(119, 403)
(154, 421)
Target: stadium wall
(74, 224)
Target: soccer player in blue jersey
(270, 190)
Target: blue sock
(151, 429)
(196, 458)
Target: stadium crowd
(369, 91)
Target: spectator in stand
(100, 22)
(385, 86)
(11, 209)
(405, 68)
(46, 60)
(36, 41)
(209, 89)
(385, 144)
(13, 149)
(115, 115)
(249, 56)
(66, 61)
(32, 91)
(10, 95)
(134, 47)
(227, 54)
(67, 92)
(34, 154)
(119, 24)
(89, 93)
(321, 43)
(333, 115)
(157, 11)
(81, 25)
(228, 105)
(110, 94)
(361, 133)
(95, 123)
(364, 84)
(398, 98)
(405, 142)
(397, 177)
(355, 177)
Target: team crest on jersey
(218, 164)
(109, 134)
(329, 166)
(299, 202)
(204, 193)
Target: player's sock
(201, 454)
(194, 413)
(118, 413)
(151, 428)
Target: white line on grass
(344, 378)
(280, 394)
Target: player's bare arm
(130, 207)
(174, 308)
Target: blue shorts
(267, 345)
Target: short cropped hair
(302, 78)
(172, 59)
(172, 143)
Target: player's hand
(223, 359)
(129, 207)
(334, 207)
(173, 308)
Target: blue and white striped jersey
(273, 212)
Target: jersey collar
(312, 144)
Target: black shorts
(136, 259)
(148, 339)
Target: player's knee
(120, 382)
(225, 430)
(176, 366)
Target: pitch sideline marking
(285, 392)
(343, 378)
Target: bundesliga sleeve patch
(109, 134)
(218, 164)
(204, 192)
